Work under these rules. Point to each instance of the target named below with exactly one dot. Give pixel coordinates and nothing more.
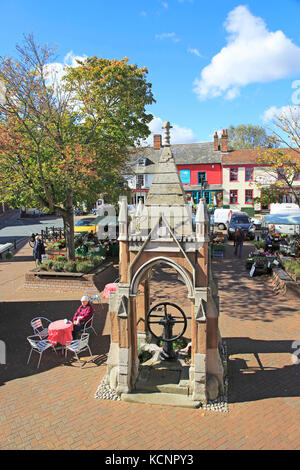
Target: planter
(62, 281)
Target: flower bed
(59, 263)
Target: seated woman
(82, 315)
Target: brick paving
(54, 407)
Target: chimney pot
(216, 141)
(157, 142)
(224, 141)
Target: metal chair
(39, 345)
(79, 345)
(89, 325)
(39, 328)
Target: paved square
(54, 407)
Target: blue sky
(211, 64)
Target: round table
(60, 332)
(108, 289)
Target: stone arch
(138, 276)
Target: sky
(211, 64)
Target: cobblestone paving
(54, 407)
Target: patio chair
(39, 328)
(79, 345)
(89, 325)
(39, 345)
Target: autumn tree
(248, 136)
(64, 140)
(282, 165)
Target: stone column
(142, 308)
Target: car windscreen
(240, 220)
(85, 222)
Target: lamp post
(203, 185)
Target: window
(233, 174)
(233, 196)
(185, 176)
(141, 162)
(249, 196)
(248, 174)
(140, 181)
(201, 176)
(280, 173)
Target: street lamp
(203, 186)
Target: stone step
(164, 388)
(163, 399)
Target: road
(13, 228)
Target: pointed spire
(201, 214)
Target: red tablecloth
(108, 289)
(60, 332)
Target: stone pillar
(142, 308)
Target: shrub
(96, 260)
(58, 266)
(9, 255)
(259, 244)
(70, 266)
(85, 267)
(46, 265)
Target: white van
(222, 217)
(285, 208)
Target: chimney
(216, 141)
(224, 141)
(157, 140)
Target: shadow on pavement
(260, 381)
(15, 326)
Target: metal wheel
(166, 320)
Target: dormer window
(141, 162)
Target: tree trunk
(68, 218)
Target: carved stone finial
(166, 126)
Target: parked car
(256, 222)
(88, 224)
(221, 218)
(243, 221)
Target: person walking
(38, 250)
(239, 242)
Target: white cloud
(178, 134)
(171, 36)
(194, 51)
(289, 112)
(253, 54)
(56, 70)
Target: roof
(197, 153)
(248, 156)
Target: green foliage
(58, 266)
(248, 210)
(63, 142)
(46, 265)
(85, 267)
(259, 244)
(70, 266)
(144, 356)
(9, 255)
(249, 137)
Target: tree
(282, 165)
(249, 137)
(64, 141)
